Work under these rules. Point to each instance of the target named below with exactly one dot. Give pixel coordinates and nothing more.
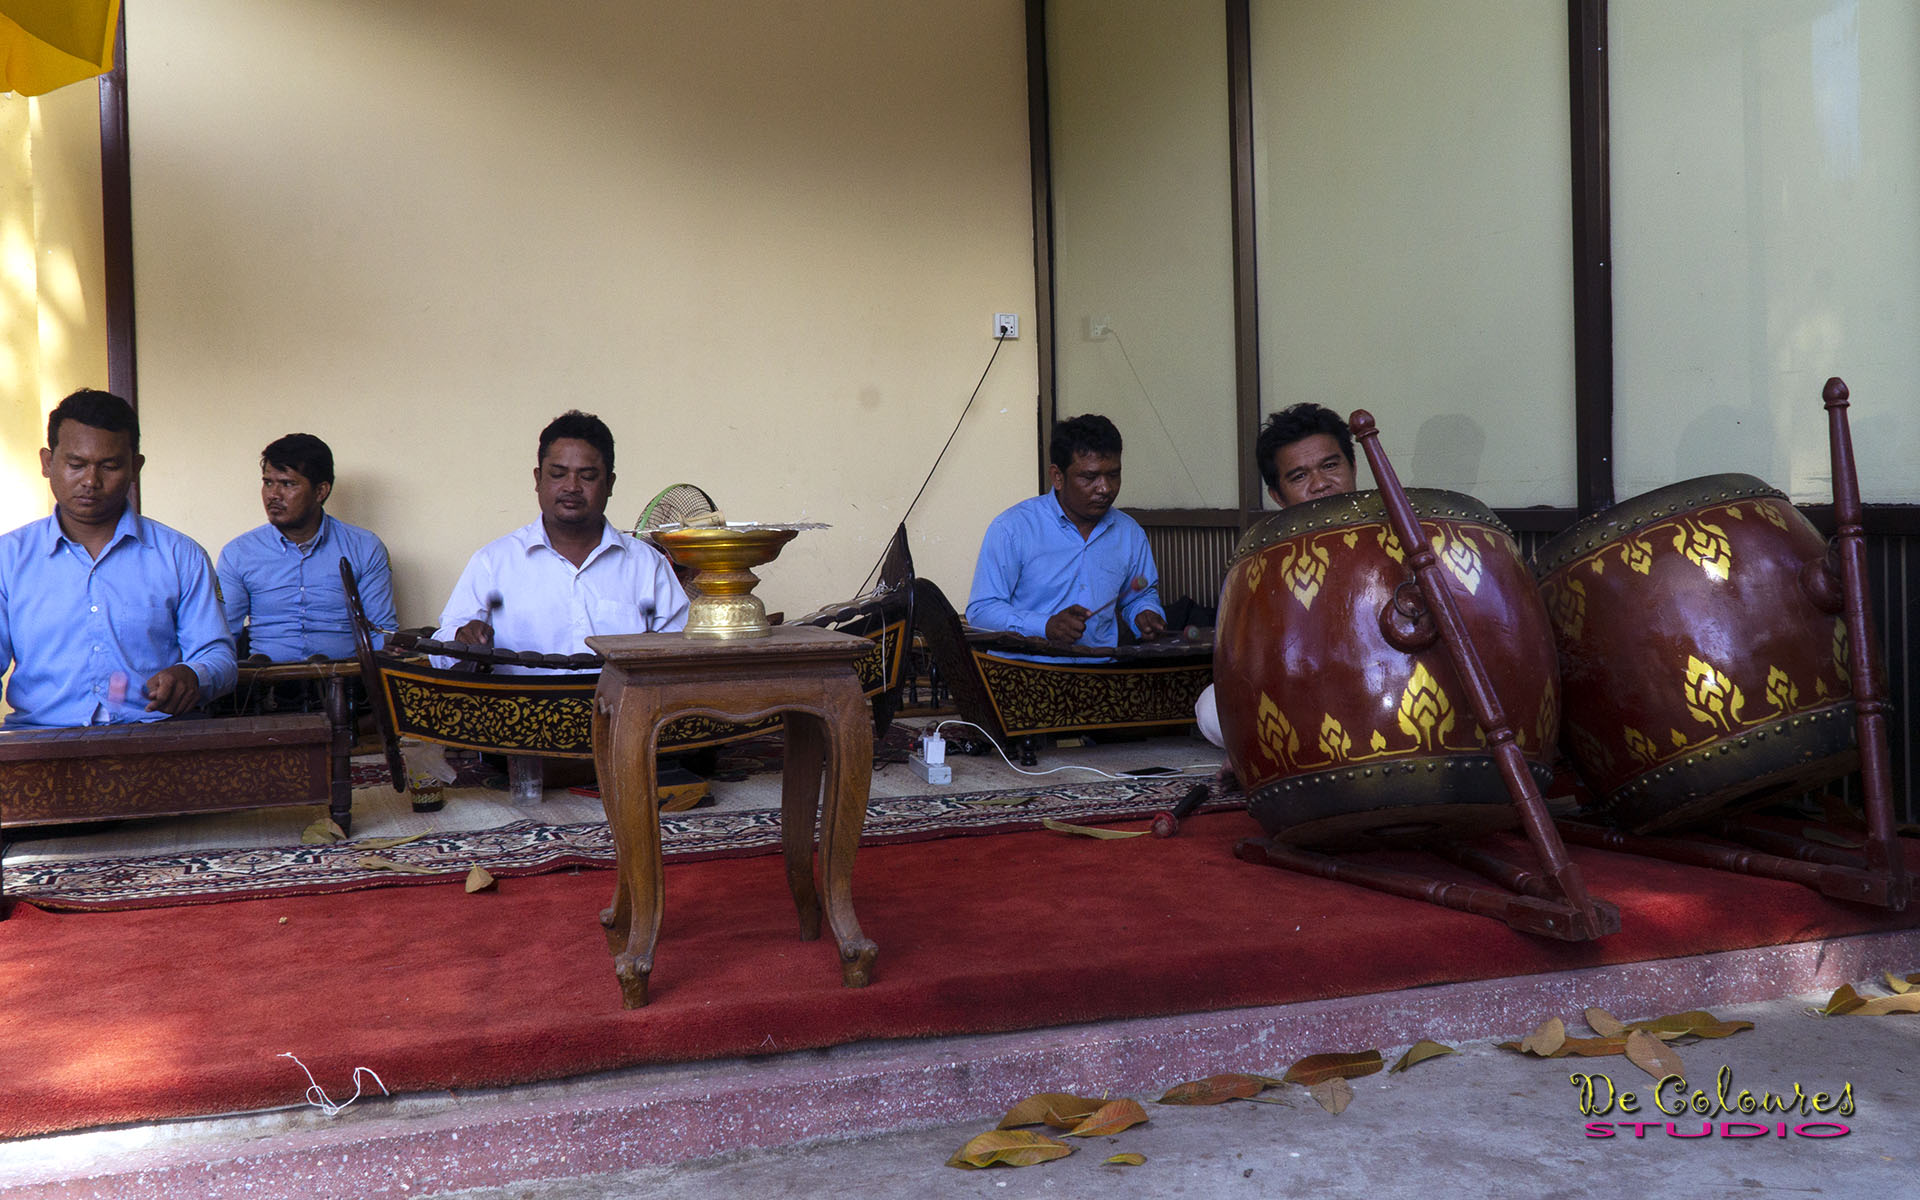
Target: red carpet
(122, 1016)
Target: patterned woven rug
(533, 847)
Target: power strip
(930, 760)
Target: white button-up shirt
(550, 606)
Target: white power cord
(1186, 772)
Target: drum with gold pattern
(1341, 725)
(1702, 652)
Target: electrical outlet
(1098, 327)
(1006, 325)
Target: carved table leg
(340, 716)
(627, 789)
(799, 814)
(849, 775)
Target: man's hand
(1150, 624)
(474, 633)
(1065, 627)
(173, 691)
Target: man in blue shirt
(105, 616)
(281, 581)
(1066, 566)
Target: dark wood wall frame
(1246, 284)
(1592, 255)
(116, 217)
(1040, 151)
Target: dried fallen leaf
(388, 843)
(1111, 1119)
(479, 880)
(1062, 1110)
(998, 801)
(1089, 830)
(1420, 1052)
(1333, 1094)
(1899, 985)
(1215, 1089)
(1652, 1055)
(1844, 1000)
(1543, 1041)
(1316, 1068)
(1695, 1023)
(283, 920)
(1816, 834)
(374, 862)
(1880, 1006)
(1126, 1160)
(1605, 1023)
(1009, 1147)
(321, 832)
(1598, 1047)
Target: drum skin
(1698, 667)
(1337, 735)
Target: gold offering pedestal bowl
(721, 603)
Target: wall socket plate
(1006, 325)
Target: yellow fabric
(45, 44)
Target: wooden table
(332, 674)
(801, 672)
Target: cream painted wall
(764, 239)
(1766, 207)
(1143, 238)
(1414, 230)
(52, 279)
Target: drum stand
(1877, 873)
(1551, 901)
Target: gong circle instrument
(1343, 714)
(1703, 655)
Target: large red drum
(1702, 652)
(1336, 730)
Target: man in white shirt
(548, 586)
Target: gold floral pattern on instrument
(1276, 734)
(1841, 666)
(1640, 745)
(1389, 543)
(1637, 555)
(1546, 722)
(1425, 712)
(1256, 570)
(1711, 697)
(1033, 698)
(1707, 546)
(1303, 570)
(1782, 691)
(1334, 742)
(1767, 509)
(1462, 558)
(1589, 749)
(1568, 607)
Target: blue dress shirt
(1033, 563)
(290, 598)
(82, 631)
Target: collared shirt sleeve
(374, 576)
(235, 600)
(669, 598)
(6, 626)
(1141, 566)
(206, 646)
(996, 575)
(468, 601)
